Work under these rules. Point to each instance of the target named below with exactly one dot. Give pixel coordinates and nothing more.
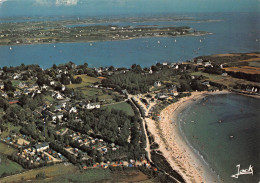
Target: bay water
(232, 32)
(224, 131)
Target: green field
(9, 167)
(6, 150)
(86, 81)
(51, 172)
(254, 64)
(124, 106)
(212, 77)
(85, 88)
(10, 129)
(90, 175)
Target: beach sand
(174, 148)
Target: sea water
(224, 130)
(232, 32)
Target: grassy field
(90, 175)
(61, 173)
(85, 88)
(8, 166)
(228, 80)
(86, 81)
(6, 150)
(124, 106)
(212, 77)
(254, 64)
(244, 69)
(10, 129)
(51, 172)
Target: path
(65, 131)
(148, 150)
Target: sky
(116, 7)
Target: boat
(175, 40)
(11, 48)
(54, 46)
(90, 44)
(231, 136)
(200, 40)
(158, 42)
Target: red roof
(13, 102)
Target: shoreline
(173, 145)
(110, 40)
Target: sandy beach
(179, 155)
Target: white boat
(11, 48)
(54, 46)
(200, 40)
(158, 42)
(90, 44)
(175, 40)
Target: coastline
(109, 40)
(173, 146)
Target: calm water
(240, 117)
(236, 32)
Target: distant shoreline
(95, 41)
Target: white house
(57, 116)
(63, 87)
(199, 61)
(58, 96)
(165, 63)
(150, 71)
(93, 106)
(207, 64)
(16, 76)
(52, 83)
(157, 83)
(224, 74)
(2, 86)
(73, 109)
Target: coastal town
(109, 117)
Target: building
(2, 86)
(224, 74)
(207, 64)
(93, 106)
(161, 96)
(199, 61)
(125, 92)
(157, 84)
(41, 147)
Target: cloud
(2, 1)
(43, 3)
(66, 2)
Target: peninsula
(102, 121)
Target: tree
(41, 175)
(8, 86)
